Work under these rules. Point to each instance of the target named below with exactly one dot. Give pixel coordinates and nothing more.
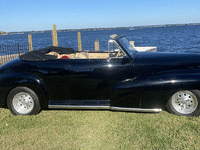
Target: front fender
(126, 94)
(153, 91)
(157, 90)
(170, 82)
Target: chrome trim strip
(136, 109)
(77, 107)
(80, 102)
(105, 107)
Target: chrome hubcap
(23, 103)
(184, 102)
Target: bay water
(179, 39)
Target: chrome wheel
(184, 102)
(23, 103)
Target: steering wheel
(119, 52)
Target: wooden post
(54, 36)
(96, 44)
(79, 41)
(30, 44)
(132, 43)
(53, 41)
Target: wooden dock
(145, 49)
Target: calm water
(166, 39)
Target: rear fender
(10, 81)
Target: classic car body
(118, 79)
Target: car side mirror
(125, 60)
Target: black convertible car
(121, 79)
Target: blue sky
(36, 15)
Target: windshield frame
(109, 48)
(126, 46)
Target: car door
(93, 79)
(85, 81)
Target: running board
(95, 104)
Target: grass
(69, 129)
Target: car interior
(86, 55)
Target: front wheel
(185, 103)
(23, 101)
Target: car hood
(146, 63)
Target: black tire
(23, 101)
(185, 103)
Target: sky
(37, 15)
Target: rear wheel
(185, 103)
(23, 101)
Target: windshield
(127, 46)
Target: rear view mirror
(125, 60)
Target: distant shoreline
(94, 29)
